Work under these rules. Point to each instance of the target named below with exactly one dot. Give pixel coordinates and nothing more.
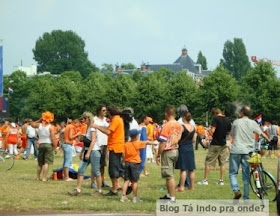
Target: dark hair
(188, 116)
(144, 117)
(246, 111)
(170, 111)
(113, 110)
(274, 122)
(99, 108)
(127, 118)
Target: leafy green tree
(107, 69)
(61, 51)
(74, 76)
(128, 66)
(261, 90)
(235, 58)
(201, 59)
(151, 96)
(219, 90)
(19, 83)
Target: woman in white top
(46, 143)
(12, 139)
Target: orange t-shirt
(131, 151)
(83, 128)
(67, 133)
(116, 137)
(171, 134)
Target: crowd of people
(113, 136)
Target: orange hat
(47, 116)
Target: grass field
(21, 193)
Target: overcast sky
(154, 31)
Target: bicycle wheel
(253, 184)
(6, 161)
(269, 186)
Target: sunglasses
(104, 110)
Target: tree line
(148, 93)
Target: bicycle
(6, 160)
(262, 182)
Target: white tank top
(44, 134)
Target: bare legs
(45, 169)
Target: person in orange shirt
(150, 134)
(200, 135)
(132, 164)
(5, 129)
(70, 135)
(115, 146)
(23, 135)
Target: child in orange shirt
(132, 164)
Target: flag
(258, 119)
(10, 90)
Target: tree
(235, 58)
(219, 90)
(61, 51)
(128, 66)
(201, 59)
(107, 69)
(261, 90)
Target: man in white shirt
(31, 141)
(101, 140)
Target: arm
(265, 136)
(72, 135)
(104, 130)
(93, 135)
(194, 138)
(53, 137)
(160, 150)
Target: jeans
(30, 142)
(234, 162)
(67, 150)
(94, 160)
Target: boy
(132, 164)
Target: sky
(154, 31)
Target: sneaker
(111, 193)
(75, 192)
(104, 184)
(220, 182)
(24, 158)
(96, 193)
(93, 186)
(7, 156)
(165, 197)
(203, 182)
(124, 199)
(129, 190)
(137, 200)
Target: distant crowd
(113, 137)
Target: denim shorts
(94, 160)
(67, 150)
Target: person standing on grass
(220, 127)
(132, 165)
(243, 130)
(186, 153)
(168, 150)
(12, 139)
(89, 155)
(70, 134)
(46, 143)
(116, 140)
(23, 135)
(32, 139)
(101, 140)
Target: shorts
(67, 150)
(168, 162)
(272, 145)
(216, 152)
(45, 155)
(95, 164)
(131, 171)
(104, 152)
(115, 165)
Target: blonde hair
(88, 115)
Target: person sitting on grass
(132, 164)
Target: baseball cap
(133, 133)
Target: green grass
(21, 193)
